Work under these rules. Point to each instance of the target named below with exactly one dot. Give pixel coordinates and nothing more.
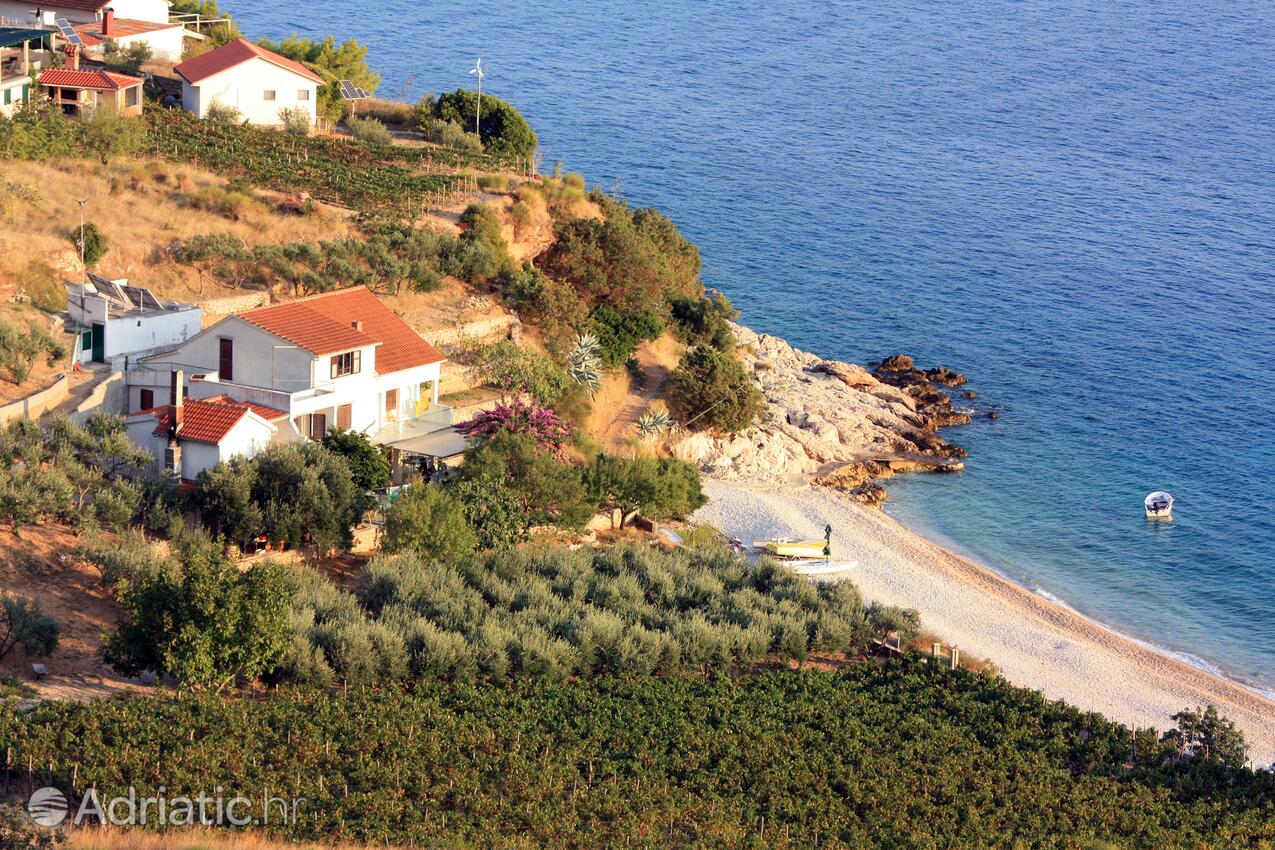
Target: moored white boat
(786, 547)
(1159, 505)
(820, 567)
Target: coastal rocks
(836, 424)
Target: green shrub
(710, 389)
(659, 488)
(505, 364)
(21, 347)
(127, 60)
(502, 128)
(295, 120)
(219, 112)
(705, 321)
(450, 135)
(493, 182)
(24, 623)
(91, 242)
(428, 521)
(549, 490)
(620, 333)
(521, 217)
(369, 130)
(525, 288)
(493, 511)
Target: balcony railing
(435, 418)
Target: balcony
(436, 417)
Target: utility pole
(84, 281)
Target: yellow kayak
(785, 548)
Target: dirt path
(622, 410)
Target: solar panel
(68, 31)
(349, 91)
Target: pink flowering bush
(519, 415)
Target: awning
(14, 36)
(440, 444)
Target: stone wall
(37, 403)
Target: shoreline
(1036, 642)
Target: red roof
(105, 80)
(208, 420)
(236, 53)
(324, 324)
(84, 5)
(92, 33)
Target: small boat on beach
(820, 566)
(785, 547)
(1159, 505)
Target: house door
(391, 404)
(99, 343)
(344, 417)
(226, 359)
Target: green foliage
(447, 133)
(292, 494)
(21, 347)
(220, 112)
(333, 63)
(69, 472)
(525, 287)
(493, 511)
(367, 463)
(201, 620)
(127, 558)
(705, 321)
(584, 364)
(558, 312)
(127, 60)
(44, 286)
(653, 422)
(1208, 736)
(710, 389)
(369, 130)
(429, 521)
(620, 333)
(19, 832)
(107, 135)
(502, 128)
(659, 488)
(295, 120)
(24, 623)
(505, 364)
(91, 242)
(549, 490)
(217, 34)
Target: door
(391, 405)
(99, 343)
(318, 426)
(147, 400)
(344, 416)
(226, 359)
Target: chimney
(176, 398)
(75, 57)
(108, 22)
(357, 325)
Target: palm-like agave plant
(585, 362)
(653, 422)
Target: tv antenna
(478, 72)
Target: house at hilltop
(287, 373)
(248, 78)
(114, 320)
(166, 40)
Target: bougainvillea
(518, 414)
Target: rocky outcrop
(832, 423)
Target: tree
(549, 490)
(295, 120)
(24, 623)
(503, 130)
(20, 347)
(202, 621)
(430, 522)
(710, 389)
(110, 135)
(620, 333)
(492, 509)
(1209, 736)
(225, 493)
(127, 60)
(367, 463)
(92, 242)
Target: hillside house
(248, 78)
(339, 359)
(22, 52)
(79, 92)
(43, 14)
(113, 320)
(166, 40)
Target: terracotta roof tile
(323, 324)
(236, 53)
(207, 420)
(124, 27)
(87, 79)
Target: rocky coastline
(835, 424)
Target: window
(131, 96)
(8, 96)
(303, 94)
(268, 95)
(318, 425)
(347, 364)
(147, 400)
(226, 359)
(344, 417)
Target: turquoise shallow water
(1070, 201)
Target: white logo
(47, 807)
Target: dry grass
(142, 207)
(190, 839)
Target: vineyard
(897, 755)
(349, 173)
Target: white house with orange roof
(248, 78)
(340, 359)
(22, 13)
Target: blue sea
(1071, 201)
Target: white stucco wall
(155, 11)
(165, 44)
(261, 359)
(137, 334)
(244, 86)
(248, 437)
(12, 86)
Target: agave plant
(585, 362)
(653, 422)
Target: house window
(131, 96)
(344, 417)
(303, 94)
(147, 400)
(226, 359)
(268, 95)
(8, 96)
(318, 425)
(347, 363)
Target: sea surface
(1071, 201)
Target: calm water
(1071, 201)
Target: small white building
(166, 40)
(250, 79)
(20, 13)
(114, 320)
(339, 359)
